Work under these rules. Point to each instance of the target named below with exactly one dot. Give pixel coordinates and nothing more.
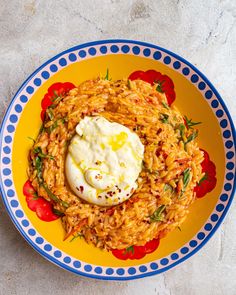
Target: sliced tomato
(33, 202)
(42, 207)
(68, 86)
(46, 102)
(151, 246)
(205, 187)
(44, 211)
(136, 252)
(139, 252)
(55, 90)
(153, 76)
(209, 181)
(28, 189)
(138, 75)
(122, 254)
(170, 96)
(165, 84)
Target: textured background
(204, 32)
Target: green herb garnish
(129, 84)
(55, 125)
(157, 216)
(36, 197)
(190, 123)
(203, 178)
(39, 167)
(54, 197)
(31, 139)
(191, 137)
(107, 75)
(186, 179)
(168, 187)
(40, 154)
(41, 129)
(179, 228)
(159, 87)
(129, 249)
(57, 212)
(165, 105)
(164, 118)
(181, 129)
(78, 235)
(50, 114)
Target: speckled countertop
(204, 32)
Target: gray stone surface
(204, 32)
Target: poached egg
(104, 161)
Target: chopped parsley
(54, 197)
(191, 137)
(186, 179)
(78, 235)
(107, 75)
(31, 139)
(203, 178)
(164, 118)
(40, 154)
(190, 123)
(165, 105)
(157, 216)
(159, 87)
(129, 249)
(57, 212)
(168, 187)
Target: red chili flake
(81, 188)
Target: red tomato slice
(55, 89)
(170, 96)
(44, 211)
(139, 75)
(151, 246)
(28, 189)
(33, 202)
(153, 76)
(46, 101)
(167, 82)
(122, 254)
(209, 183)
(205, 187)
(42, 207)
(139, 252)
(68, 86)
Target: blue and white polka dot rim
(91, 50)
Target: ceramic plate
(196, 97)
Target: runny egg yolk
(104, 161)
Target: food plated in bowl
(117, 163)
